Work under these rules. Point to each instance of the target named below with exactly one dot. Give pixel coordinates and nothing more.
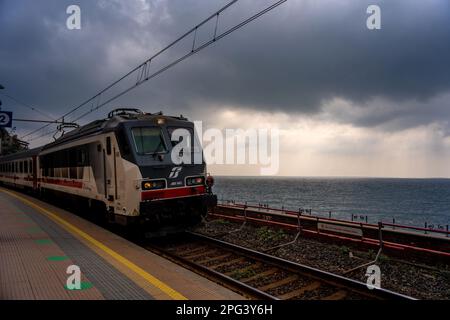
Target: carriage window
(148, 140)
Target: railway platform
(38, 243)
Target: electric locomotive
(122, 168)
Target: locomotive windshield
(190, 141)
(177, 140)
(148, 140)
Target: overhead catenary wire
(27, 105)
(135, 69)
(172, 64)
(143, 68)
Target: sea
(414, 202)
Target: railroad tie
(189, 252)
(200, 254)
(227, 263)
(301, 291)
(253, 266)
(210, 259)
(279, 283)
(259, 275)
(341, 294)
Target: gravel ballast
(418, 281)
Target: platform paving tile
(16, 290)
(104, 277)
(25, 272)
(114, 279)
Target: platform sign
(6, 119)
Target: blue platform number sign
(5, 119)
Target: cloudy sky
(348, 101)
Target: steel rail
(332, 278)
(216, 276)
(321, 276)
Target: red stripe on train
(16, 178)
(172, 193)
(64, 183)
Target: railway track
(261, 276)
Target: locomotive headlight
(161, 121)
(195, 181)
(153, 185)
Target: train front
(175, 189)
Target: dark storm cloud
(295, 59)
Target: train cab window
(148, 140)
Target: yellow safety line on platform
(144, 274)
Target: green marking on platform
(57, 258)
(84, 286)
(43, 241)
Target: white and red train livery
(120, 166)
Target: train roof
(21, 155)
(109, 124)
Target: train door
(96, 156)
(111, 169)
(34, 172)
